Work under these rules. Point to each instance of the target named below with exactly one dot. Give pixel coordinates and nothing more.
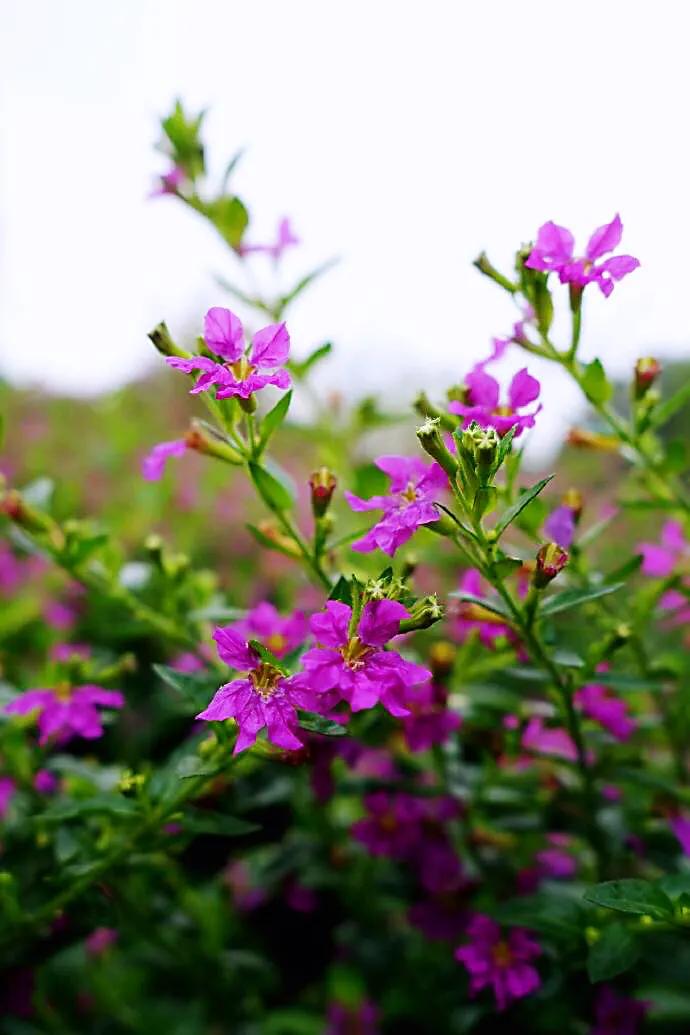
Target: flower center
(276, 643)
(388, 823)
(355, 653)
(63, 691)
(410, 493)
(265, 679)
(241, 369)
(501, 954)
(503, 411)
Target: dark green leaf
(639, 897)
(595, 384)
(266, 655)
(342, 591)
(318, 724)
(199, 821)
(97, 804)
(273, 419)
(615, 951)
(505, 566)
(230, 218)
(670, 407)
(577, 598)
(195, 687)
(511, 513)
(274, 493)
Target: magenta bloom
(429, 722)
(680, 825)
(67, 711)
(483, 404)
(10, 569)
(548, 741)
(153, 464)
(410, 503)
(355, 664)
(554, 248)
(233, 371)
(264, 697)
(598, 703)
(392, 827)
(559, 527)
(617, 1014)
(660, 560)
(285, 238)
(468, 617)
(280, 635)
(352, 1020)
(100, 940)
(499, 962)
(45, 782)
(7, 789)
(169, 183)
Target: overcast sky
(402, 136)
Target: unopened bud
(161, 338)
(272, 536)
(647, 370)
(204, 438)
(484, 266)
(572, 499)
(430, 440)
(551, 560)
(423, 614)
(15, 507)
(585, 439)
(323, 484)
(442, 658)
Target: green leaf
(300, 368)
(526, 498)
(266, 655)
(505, 566)
(495, 606)
(195, 687)
(304, 283)
(570, 598)
(199, 821)
(595, 384)
(639, 897)
(626, 569)
(670, 407)
(264, 540)
(615, 951)
(230, 218)
(342, 591)
(504, 447)
(554, 914)
(274, 493)
(318, 724)
(96, 805)
(229, 169)
(273, 419)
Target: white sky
(403, 136)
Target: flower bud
(593, 440)
(647, 370)
(572, 499)
(430, 440)
(203, 438)
(423, 614)
(271, 535)
(442, 658)
(323, 484)
(551, 559)
(161, 338)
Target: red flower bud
(322, 483)
(647, 370)
(551, 559)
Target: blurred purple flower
(66, 711)
(430, 721)
(279, 634)
(499, 962)
(285, 238)
(559, 527)
(153, 464)
(548, 740)
(616, 1014)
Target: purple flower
(468, 617)
(554, 252)
(680, 825)
(392, 827)
(285, 238)
(409, 504)
(10, 569)
(352, 1020)
(45, 782)
(67, 711)
(169, 183)
(482, 403)
(7, 790)
(617, 1014)
(265, 697)
(187, 662)
(548, 741)
(233, 371)
(597, 702)
(153, 464)
(429, 722)
(354, 663)
(660, 560)
(499, 962)
(559, 527)
(280, 635)
(100, 940)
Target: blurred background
(402, 138)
